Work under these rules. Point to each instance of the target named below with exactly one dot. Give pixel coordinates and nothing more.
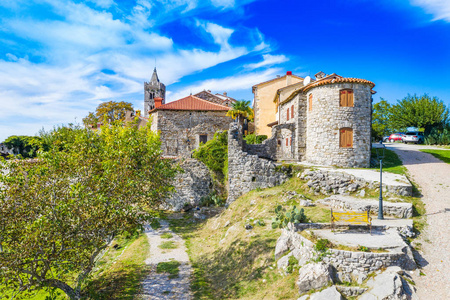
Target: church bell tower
(152, 90)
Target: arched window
(346, 137)
(346, 97)
(310, 102)
(287, 114)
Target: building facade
(222, 99)
(153, 89)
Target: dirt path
(433, 178)
(158, 285)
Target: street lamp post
(379, 148)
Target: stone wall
(247, 172)
(349, 265)
(337, 182)
(191, 185)
(181, 130)
(326, 118)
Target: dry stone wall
(192, 184)
(247, 171)
(326, 117)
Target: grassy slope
(391, 162)
(443, 155)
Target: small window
(346, 138)
(287, 115)
(310, 102)
(346, 97)
(287, 141)
(292, 111)
(203, 138)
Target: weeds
(171, 267)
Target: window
(310, 102)
(346, 97)
(203, 138)
(292, 111)
(287, 141)
(287, 115)
(346, 138)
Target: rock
(199, 216)
(353, 187)
(406, 231)
(388, 285)
(248, 227)
(226, 224)
(253, 202)
(306, 203)
(359, 277)
(314, 276)
(305, 297)
(283, 262)
(330, 293)
(362, 193)
(350, 291)
(282, 245)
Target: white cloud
(229, 84)
(103, 3)
(220, 34)
(440, 9)
(223, 3)
(268, 60)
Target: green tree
(240, 109)
(90, 120)
(422, 112)
(380, 119)
(27, 146)
(59, 212)
(110, 111)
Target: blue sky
(60, 58)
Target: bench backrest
(351, 217)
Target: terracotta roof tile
(191, 103)
(337, 79)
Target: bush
(283, 217)
(255, 139)
(214, 154)
(212, 200)
(438, 137)
(322, 245)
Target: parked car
(413, 137)
(396, 137)
(385, 138)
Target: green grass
(166, 235)
(391, 162)
(171, 267)
(443, 155)
(168, 245)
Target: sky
(59, 59)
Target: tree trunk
(70, 292)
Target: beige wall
(265, 108)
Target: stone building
(324, 122)
(222, 99)
(153, 89)
(263, 105)
(187, 122)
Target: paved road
(433, 178)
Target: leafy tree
(380, 119)
(27, 146)
(90, 120)
(59, 212)
(421, 112)
(240, 109)
(110, 111)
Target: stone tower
(152, 90)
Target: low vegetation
(168, 245)
(255, 139)
(443, 155)
(391, 162)
(170, 267)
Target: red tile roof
(191, 103)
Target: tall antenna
(155, 62)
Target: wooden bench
(353, 217)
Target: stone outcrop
(247, 172)
(191, 185)
(399, 210)
(330, 293)
(335, 181)
(314, 276)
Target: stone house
(263, 105)
(185, 123)
(324, 122)
(222, 99)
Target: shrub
(292, 264)
(438, 137)
(255, 139)
(322, 245)
(283, 217)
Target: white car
(413, 137)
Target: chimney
(138, 113)
(225, 94)
(288, 77)
(158, 102)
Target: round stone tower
(339, 122)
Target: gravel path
(433, 177)
(158, 285)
